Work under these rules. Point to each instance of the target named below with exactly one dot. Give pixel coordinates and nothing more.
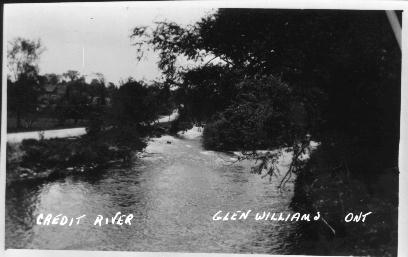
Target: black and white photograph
(189, 128)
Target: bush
(267, 113)
(123, 136)
(87, 151)
(62, 153)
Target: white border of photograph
(277, 4)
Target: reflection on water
(173, 191)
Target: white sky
(102, 29)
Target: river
(173, 190)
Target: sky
(93, 37)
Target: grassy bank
(32, 159)
(326, 184)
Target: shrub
(262, 116)
(86, 151)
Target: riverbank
(43, 154)
(63, 152)
(327, 185)
(43, 158)
(335, 184)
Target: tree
(134, 105)
(206, 91)
(72, 75)
(52, 78)
(345, 63)
(111, 89)
(76, 102)
(100, 77)
(23, 99)
(22, 57)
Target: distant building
(51, 94)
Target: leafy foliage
(23, 99)
(134, 104)
(339, 65)
(258, 118)
(22, 57)
(72, 75)
(206, 91)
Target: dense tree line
(68, 96)
(341, 70)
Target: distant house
(51, 93)
(61, 90)
(49, 88)
(99, 100)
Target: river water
(173, 190)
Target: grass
(61, 156)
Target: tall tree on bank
(22, 59)
(134, 105)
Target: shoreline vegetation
(42, 158)
(327, 185)
(331, 77)
(46, 158)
